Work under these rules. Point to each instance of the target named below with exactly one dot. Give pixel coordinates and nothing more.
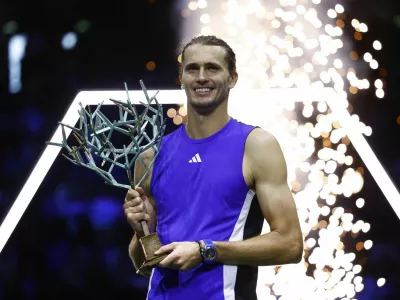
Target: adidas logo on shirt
(195, 159)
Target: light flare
(295, 44)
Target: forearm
(267, 249)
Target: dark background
(72, 240)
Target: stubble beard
(205, 109)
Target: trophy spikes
(93, 147)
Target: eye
(191, 68)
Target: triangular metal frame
(239, 99)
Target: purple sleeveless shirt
(200, 193)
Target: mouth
(203, 91)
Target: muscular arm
(135, 250)
(284, 243)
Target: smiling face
(205, 77)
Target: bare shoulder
(265, 155)
(261, 142)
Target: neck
(202, 126)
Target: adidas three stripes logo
(195, 159)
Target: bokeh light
(381, 282)
(150, 65)
(69, 40)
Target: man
(211, 186)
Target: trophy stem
(145, 228)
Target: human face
(205, 77)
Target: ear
(180, 70)
(233, 80)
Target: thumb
(140, 191)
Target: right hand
(135, 205)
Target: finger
(131, 194)
(137, 202)
(127, 204)
(138, 217)
(133, 210)
(168, 262)
(133, 202)
(165, 249)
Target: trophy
(95, 149)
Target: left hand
(183, 256)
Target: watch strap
(208, 243)
(201, 249)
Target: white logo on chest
(195, 159)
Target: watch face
(210, 254)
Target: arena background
(72, 240)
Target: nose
(202, 78)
